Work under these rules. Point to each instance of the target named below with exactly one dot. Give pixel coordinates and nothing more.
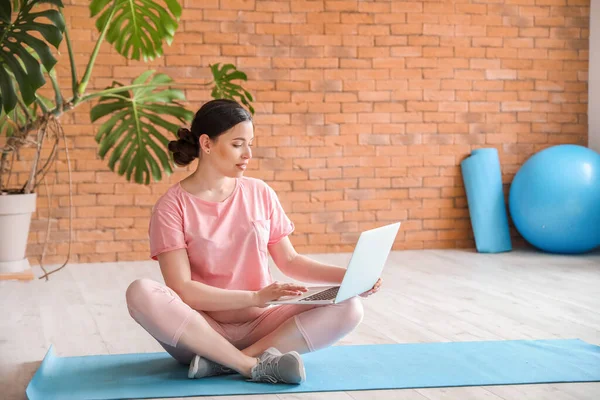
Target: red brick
(342, 205)
(359, 106)
(113, 247)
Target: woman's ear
(205, 143)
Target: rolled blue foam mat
(483, 185)
(337, 368)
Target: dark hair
(214, 118)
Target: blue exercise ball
(554, 200)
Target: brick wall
(364, 111)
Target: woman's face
(231, 152)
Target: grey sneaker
(201, 367)
(274, 367)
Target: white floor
(428, 296)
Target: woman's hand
(373, 290)
(276, 290)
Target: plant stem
(74, 83)
(40, 103)
(57, 95)
(26, 111)
(30, 185)
(88, 71)
(142, 85)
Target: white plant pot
(15, 220)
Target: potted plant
(30, 126)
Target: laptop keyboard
(328, 294)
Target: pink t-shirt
(226, 241)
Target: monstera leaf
(131, 131)
(13, 121)
(225, 89)
(137, 27)
(16, 43)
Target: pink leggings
(162, 313)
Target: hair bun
(186, 135)
(186, 148)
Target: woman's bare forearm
(305, 269)
(209, 298)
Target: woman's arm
(302, 268)
(176, 271)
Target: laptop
(364, 269)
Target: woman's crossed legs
(184, 332)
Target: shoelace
(218, 368)
(267, 370)
(222, 368)
(214, 369)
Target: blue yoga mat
(483, 185)
(337, 368)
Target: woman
(212, 234)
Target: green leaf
(176, 111)
(126, 165)
(138, 27)
(131, 132)
(162, 140)
(5, 10)
(19, 48)
(235, 75)
(111, 139)
(57, 3)
(116, 155)
(9, 96)
(101, 110)
(97, 6)
(142, 78)
(107, 127)
(225, 89)
(174, 7)
(27, 91)
(34, 72)
(43, 51)
(160, 122)
(12, 121)
(53, 15)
